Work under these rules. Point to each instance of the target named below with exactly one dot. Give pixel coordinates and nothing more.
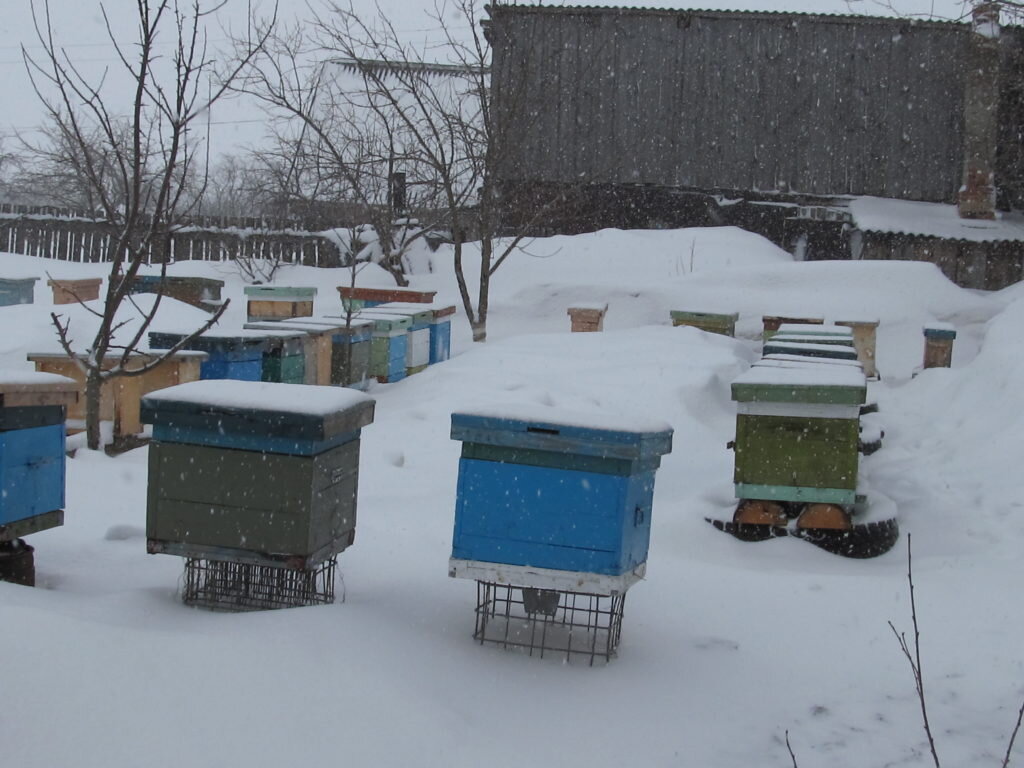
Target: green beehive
(417, 351)
(809, 346)
(797, 433)
(711, 322)
(254, 474)
(389, 346)
(284, 360)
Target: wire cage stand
(576, 624)
(225, 585)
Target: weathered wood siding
(820, 105)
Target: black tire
(862, 541)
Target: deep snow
(725, 645)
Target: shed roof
(916, 219)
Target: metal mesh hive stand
(33, 407)
(553, 523)
(255, 485)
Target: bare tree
(445, 112)
(137, 169)
(335, 141)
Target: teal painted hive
(417, 351)
(17, 290)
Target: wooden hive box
(440, 327)
(234, 355)
(66, 291)
(284, 356)
(797, 432)
(864, 340)
(274, 302)
(356, 298)
(350, 359)
(388, 345)
(810, 347)
(201, 292)
(938, 345)
(32, 444)
(120, 397)
(254, 472)
(587, 318)
(417, 349)
(772, 323)
(712, 322)
(15, 290)
(565, 493)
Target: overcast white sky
(80, 28)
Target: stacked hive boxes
(797, 432)
(254, 474)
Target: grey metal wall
(744, 101)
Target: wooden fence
(69, 236)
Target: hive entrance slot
(543, 430)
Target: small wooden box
(938, 345)
(254, 472)
(272, 302)
(549, 493)
(864, 340)
(587, 319)
(74, 291)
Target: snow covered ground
(726, 645)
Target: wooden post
(587, 318)
(938, 345)
(864, 337)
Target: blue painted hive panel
(557, 490)
(543, 517)
(31, 472)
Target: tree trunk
(93, 385)
(479, 330)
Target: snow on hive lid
(834, 384)
(565, 431)
(19, 388)
(809, 329)
(258, 407)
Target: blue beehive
(32, 412)
(233, 354)
(17, 290)
(547, 492)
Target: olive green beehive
(254, 472)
